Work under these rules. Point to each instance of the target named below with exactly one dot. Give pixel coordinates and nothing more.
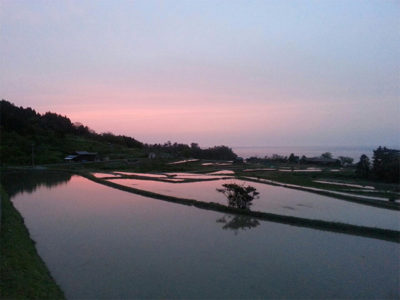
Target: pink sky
(236, 73)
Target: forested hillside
(50, 137)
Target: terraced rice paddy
(122, 245)
(275, 199)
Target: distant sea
(309, 151)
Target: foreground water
(100, 242)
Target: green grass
(23, 273)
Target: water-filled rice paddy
(277, 200)
(99, 242)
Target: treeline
(324, 159)
(26, 121)
(27, 135)
(385, 165)
(24, 130)
(176, 150)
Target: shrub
(239, 196)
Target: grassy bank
(23, 273)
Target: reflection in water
(237, 222)
(104, 243)
(29, 181)
(274, 198)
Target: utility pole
(33, 155)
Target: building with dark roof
(81, 156)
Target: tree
(327, 155)
(345, 160)
(363, 167)
(239, 196)
(194, 146)
(386, 164)
(293, 158)
(61, 125)
(278, 158)
(219, 152)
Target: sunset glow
(231, 72)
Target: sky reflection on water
(100, 242)
(278, 200)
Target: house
(81, 156)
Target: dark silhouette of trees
(239, 196)
(21, 127)
(122, 140)
(386, 164)
(218, 152)
(182, 150)
(81, 130)
(293, 158)
(363, 167)
(326, 155)
(26, 121)
(18, 119)
(278, 158)
(345, 160)
(195, 150)
(60, 125)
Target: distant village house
(81, 156)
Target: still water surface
(100, 242)
(277, 200)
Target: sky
(238, 73)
